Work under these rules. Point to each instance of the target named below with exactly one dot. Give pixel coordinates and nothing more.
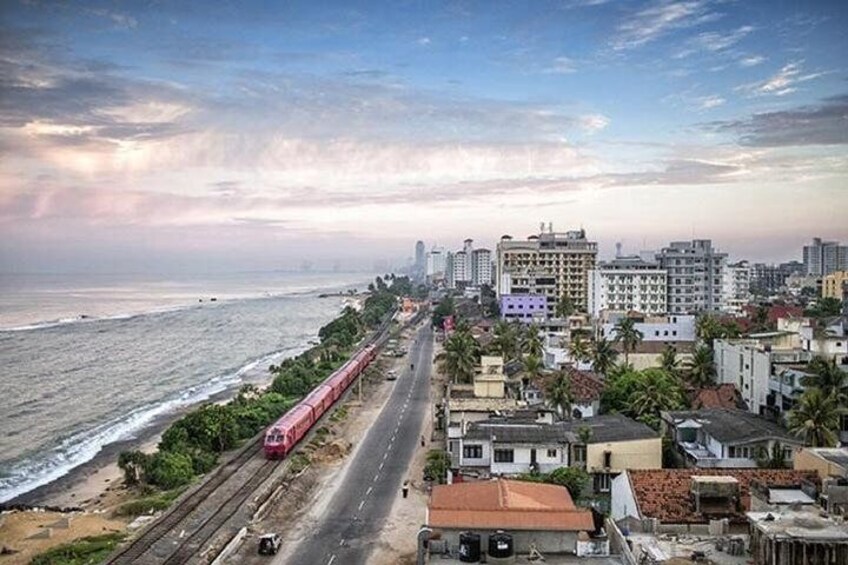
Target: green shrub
(83, 551)
(170, 470)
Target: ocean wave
(39, 470)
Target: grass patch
(149, 504)
(83, 551)
(339, 415)
(299, 462)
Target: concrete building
(769, 280)
(627, 284)
(549, 264)
(824, 257)
(525, 308)
(797, 537)
(695, 271)
(539, 515)
(736, 287)
(729, 439)
(460, 270)
(481, 267)
(671, 328)
(435, 260)
(420, 257)
(832, 466)
(835, 285)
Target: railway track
(224, 492)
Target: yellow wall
(832, 284)
(488, 388)
(637, 454)
(806, 460)
(641, 361)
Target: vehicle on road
(269, 544)
(391, 375)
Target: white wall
(623, 502)
(675, 328)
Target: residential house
(534, 514)
(832, 466)
(797, 537)
(688, 499)
(648, 354)
(720, 396)
(673, 328)
(720, 438)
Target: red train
(290, 429)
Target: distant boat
(213, 299)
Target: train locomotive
(284, 434)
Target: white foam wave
(82, 447)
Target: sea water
(89, 360)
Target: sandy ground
(17, 528)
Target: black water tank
(469, 547)
(501, 545)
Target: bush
(149, 504)
(436, 468)
(170, 470)
(572, 478)
(82, 551)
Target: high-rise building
(420, 257)
(450, 272)
(550, 264)
(736, 287)
(460, 268)
(436, 263)
(627, 284)
(771, 279)
(825, 257)
(481, 267)
(695, 272)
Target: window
(602, 482)
(579, 453)
(504, 456)
(552, 453)
(607, 459)
(472, 451)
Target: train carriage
(287, 431)
(319, 400)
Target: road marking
(381, 466)
(367, 492)
(361, 504)
(385, 455)
(341, 543)
(332, 558)
(377, 476)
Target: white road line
(367, 492)
(332, 558)
(381, 466)
(377, 476)
(341, 542)
(385, 456)
(361, 504)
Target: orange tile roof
(722, 396)
(507, 505)
(664, 493)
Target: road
(355, 515)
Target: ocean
(89, 360)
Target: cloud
(709, 102)
(660, 18)
(118, 19)
(783, 82)
(423, 41)
(825, 123)
(751, 61)
(560, 66)
(593, 123)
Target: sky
(144, 136)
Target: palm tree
(565, 307)
(653, 393)
(627, 334)
(579, 349)
(506, 340)
(828, 377)
(558, 394)
(603, 356)
(532, 365)
(459, 358)
(816, 418)
(532, 344)
(669, 361)
(701, 370)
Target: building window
(504, 456)
(607, 459)
(579, 453)
(552, 453)
(473, 451)
(602, 482)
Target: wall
(545, 541)
(807, 460)
(521, 458)
(622, 500)
(675, 328)
(636, 454)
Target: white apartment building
(481, 267)
(695, 271)
(657, 328)
(436, 258)
(627, 284)
(549, 264)
(736, 287)
(460, 268)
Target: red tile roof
(585, 386)
(507, 505)
(664, 493)
(721, 396)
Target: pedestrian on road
(405, 488)
(422, 441)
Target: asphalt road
(355, 515)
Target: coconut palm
(579, 349)
(816, 418)
(653, 393)
(558, 394)
(701, 370)
(533, 365)
(565, 307)
(828, 377)
(628, 335)
(506, 340)
(459, 358)
(669, 361)
(532, 344)
(603, 356)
